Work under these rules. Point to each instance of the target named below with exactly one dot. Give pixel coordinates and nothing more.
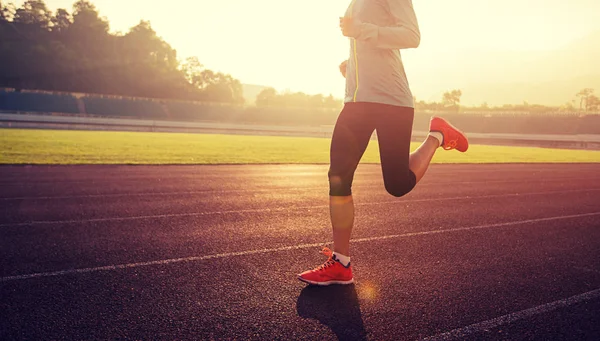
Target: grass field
(100, 147)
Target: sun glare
(298, 46)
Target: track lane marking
(280, 249)
(279, 209)
(208, 191)
(461, 333)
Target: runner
(378, 98)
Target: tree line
(269, 97)
(75, 52)
(585, 101)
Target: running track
(493, 252)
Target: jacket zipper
(351, 10)
(355, 68)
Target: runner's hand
(343, 66)
(348, 27)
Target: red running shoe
(453, 138)
(331, 272)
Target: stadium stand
(38, 102)
(123, 107)
(589, 124)
(173, 110)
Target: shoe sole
(324, 284)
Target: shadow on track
(336, 307)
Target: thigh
(394, 131)
(350, 139)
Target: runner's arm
(403, 35)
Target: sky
(297, 45)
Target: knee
(401, 187)
(398, 190)
(339, 186)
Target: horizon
(281, 52)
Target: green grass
(99, 147)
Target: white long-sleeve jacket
(375, 72)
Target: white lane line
(157, 216)
(461, 333)
(209, 191)
(145, 194)
(279, 209)
(285, 248)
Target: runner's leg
(350, 139)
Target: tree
(61, 20)
(87, 21)
(225, 88)
(569, 106)
(451, 100)
(266, 97)
(7, 12)
(65, 52)
(142, 45)
(293, 99)
(33, 12)
(214, 87)
(584, 95)
(331, 103)
(288, 99)
(316, 101)
(192, 69)
(592, 103)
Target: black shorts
(352, 134)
